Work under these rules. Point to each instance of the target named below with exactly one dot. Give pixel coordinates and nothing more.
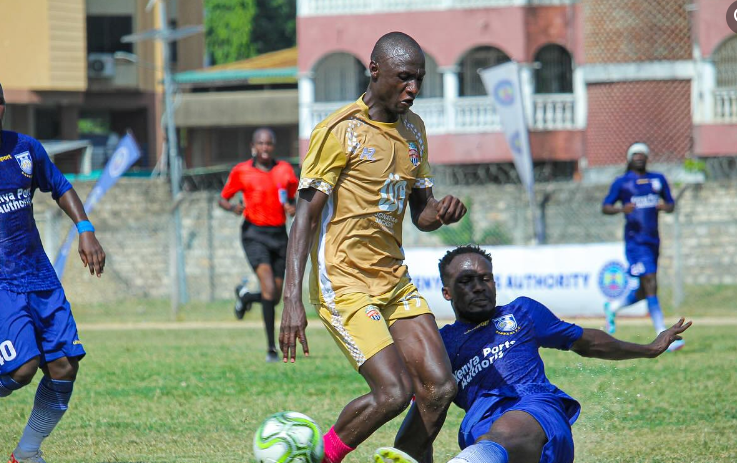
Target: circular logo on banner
(504, 92)
(515, 142)
(732, 17)
(117, 165)
(613, 280)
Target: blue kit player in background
(642, 195)
(513, 413)
(37, 329)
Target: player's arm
(225, 204)
(232, 186)
(429, 214)
(310, 204)
(90, 250)
(598, 344)
(669, 204)
(609, 206)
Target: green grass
(197, 395)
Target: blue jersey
(644, 191)
(498, 359)
(25, 167)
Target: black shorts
(265, 245)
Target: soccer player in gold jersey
(365, 162)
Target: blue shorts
(36, 324)
(643, 258)
(547, 409)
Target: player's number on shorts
(7, 352)
(393, 194)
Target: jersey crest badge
(372, 312)
(414, 155)
(656, 185)
(505, 323)
(25, 162)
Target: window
(104, 34)
(725, 62)
(553, 70)
(432, 84)
(478, 58)
(339, 77)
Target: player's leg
(515, 437)
(358, 328)
(424, 355)
(268, 304)
(21, 377)
(62, 350)
(19, 353)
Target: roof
(270, 68)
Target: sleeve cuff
(316, 183)
(423, 183)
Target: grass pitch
(146, 394)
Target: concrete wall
(133, 225)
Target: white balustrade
(432, 112)
(553, 111)
(725, 105)
(351, 7)
(476, 114)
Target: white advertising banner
(571, 280)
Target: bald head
(263, 131)
(396, 44)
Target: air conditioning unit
(101, 65)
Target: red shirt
(261, 191)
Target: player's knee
(64, 369)
(438, 394)
(394, 399)
(24, 375)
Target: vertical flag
(125, 155)
(503, 85)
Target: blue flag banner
(125, 155)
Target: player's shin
(8, 385)
(335, 448)
(484, 451)
(656, 314)
(52, 400)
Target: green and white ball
(288, 437)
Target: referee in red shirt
(269, 187)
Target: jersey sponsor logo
(372, 312)
(478, 363)
(10, 201)
(613, 280)
(656, 185)
(7, 352)
(506, 324)
(25, 163)
(393, 194)
(414, 155)
(7, 157)
(368, 154)
(645, 201)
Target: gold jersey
(366, 168)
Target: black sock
(250, 298)
(267, 307)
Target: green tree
(228, 29)
(275, 25)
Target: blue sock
(631, 297)
(52, 400)
(484, 451)
(653, 306)
(8, 385)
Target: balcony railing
(725, 105)
(351, 7)
(555, 111)
(476, 114)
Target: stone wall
(133, 223)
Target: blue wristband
(85, 226)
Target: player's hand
(628, 208)
(237, 209)
(91, 253)
(293, 325)
(450, 210)
(667, 337)
(290, 209)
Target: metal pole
(179, 280)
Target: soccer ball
(288, 437)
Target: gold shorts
(360, 323)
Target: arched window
(478, 58)
(725, 62)
(432, 85)
(553, 70)
(339, 77)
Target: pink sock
(335, 449)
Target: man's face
(471, 288)
(263, 147)
(396, 81)
(639, 161)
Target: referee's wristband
(85, 226)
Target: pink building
(596, 78)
